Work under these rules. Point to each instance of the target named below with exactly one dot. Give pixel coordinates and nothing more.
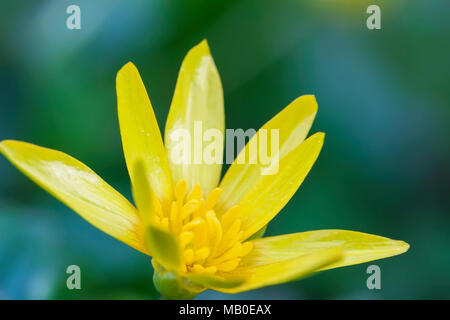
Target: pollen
(209, 243)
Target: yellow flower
(202, 234)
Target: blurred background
(383, 102)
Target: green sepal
(173, 286)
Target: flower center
(209, 243)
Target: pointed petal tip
(3, 146)
(307, 103)
(127, 67)
(7, 141)
(404, 246)
(309, 97)
(319, 136)
(7, 144)
(3, 142)
(202, 49)
(129, 64)
(204, 44)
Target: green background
(383, 102)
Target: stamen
(173, 220)
(192, 224)
(208, 244)
(215, 230)
(201, 254)
(165, 224)
(246, 248)
(229, 265)
(212, 198)
(196, 193)
(180, 190)
(190, 207)
(231, 215)
(185, 238)
(188, 256)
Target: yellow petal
(275, 272)
(270, 193)
(143, 195)
(141, 137)
(358, 247)
(77, 186)
(248, 184)
(197, 107)
(164, 248)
